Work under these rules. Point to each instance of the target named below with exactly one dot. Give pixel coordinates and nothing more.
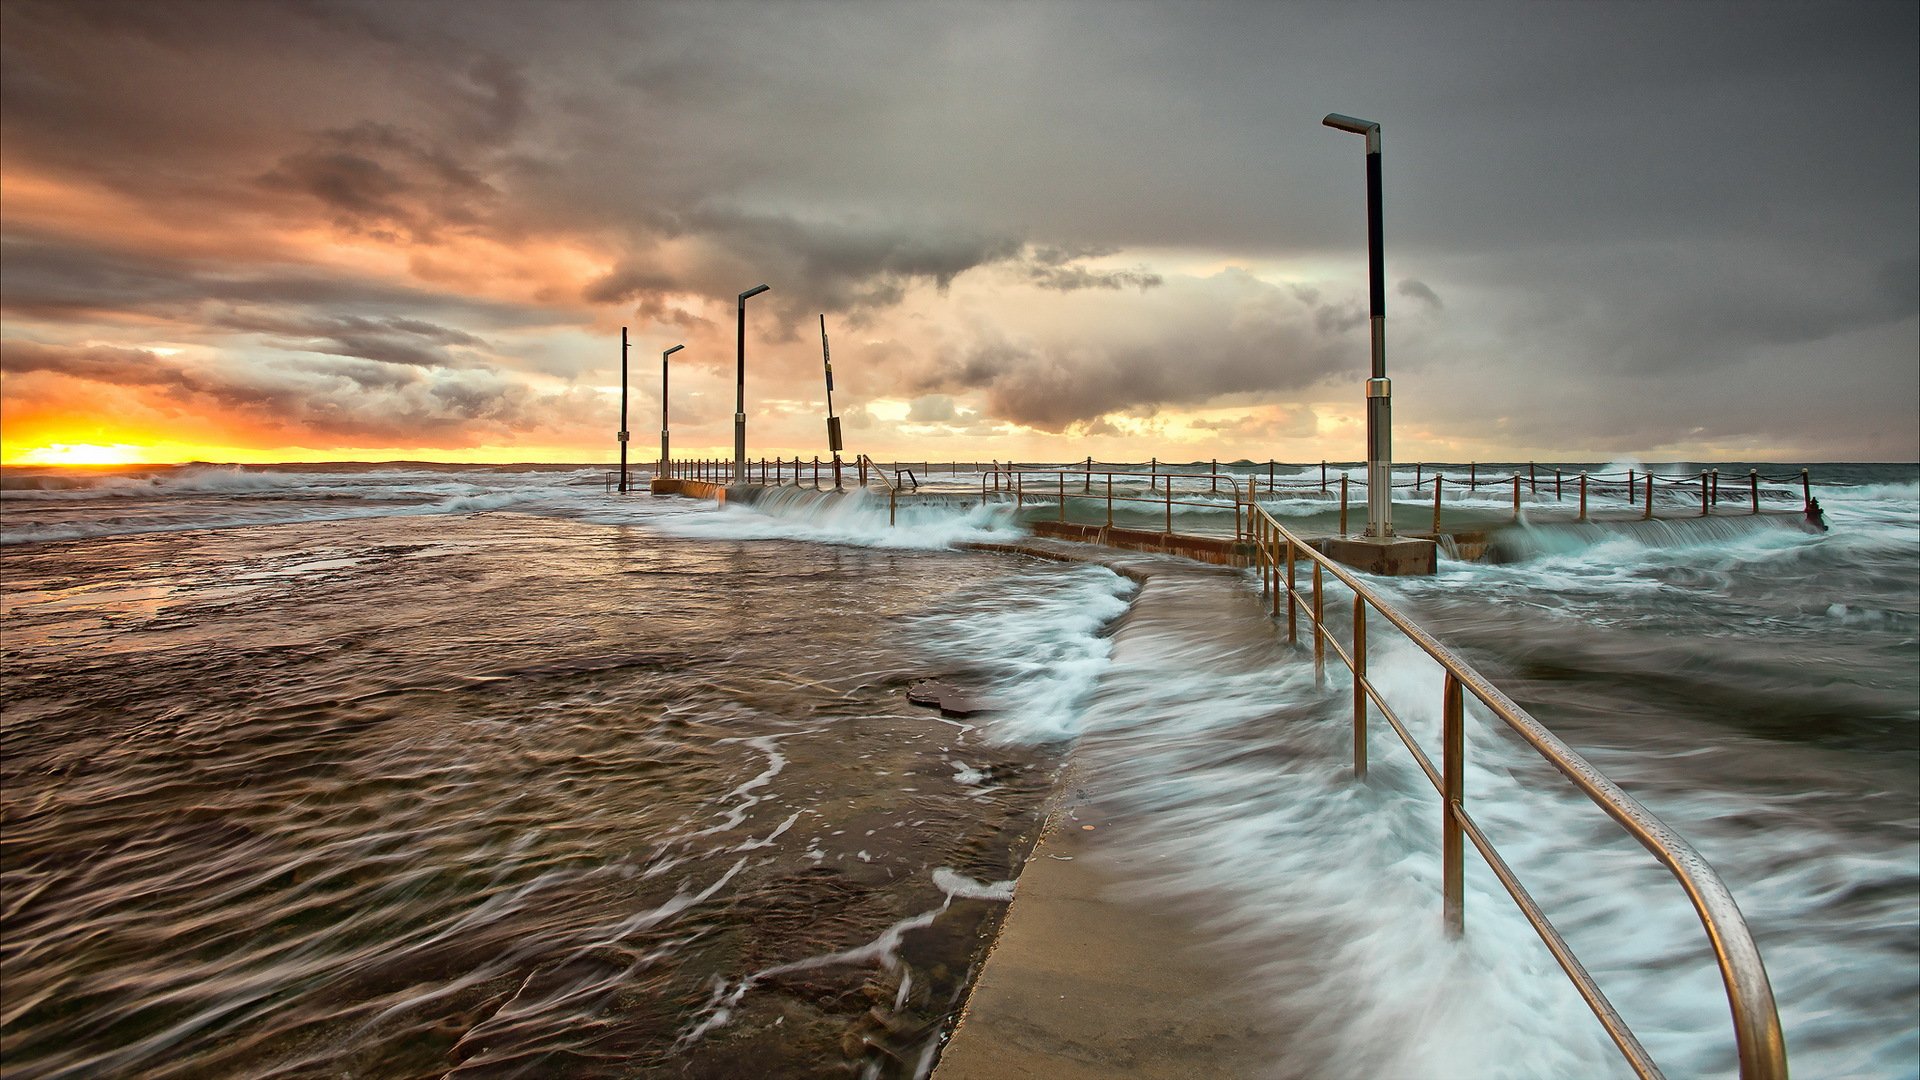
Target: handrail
(1756, 1020)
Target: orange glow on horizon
(80, 454)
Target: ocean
(428, 770)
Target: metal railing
(1756, 1021)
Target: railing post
(1359, 687)
(1416, 476)
(1273, 564)
(1753, 488)
(816, 472)
(1088, 488)
(1169, 493)
(1806, 491)
(863, 471)
(1703, 493)
(1583, 496)
(1270, 476)
(893, 495)
(1153, 473)
(1716, 487)
(1473, 476)
(1235, 485)
(1343, 504)
(1323, 477)
(1109, 500)
(1516, 497)
(1452, 772)
(1533, 483)
(1649, 509)
(1439, 481)
(1319, 630)
(1632, 487)
(1216, 476)
(1558, 493)
(1293, 633)
(1063, 495)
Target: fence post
(1533, 484)
(1648, 516)
(863, 471)
(1703, 493)
(1583, 496)
(1343, 504)
(1269, 476)
(1169, 504)
(1516, 496)
(1806, 491)
(1323, 478)
(1416, 476)
(1088, 489)
(1319, 631)
(1216, 476)
(1153, 473)
(1473, 476)
(1716, 487)
(1359, 687)
(1632, 488)
(1753, 488)
(1063, 494)
(1439, 481)
(1109, 500)
(1293, 634)
(893, 495)
(1452, 772)
(1558, 494)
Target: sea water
(411, 771)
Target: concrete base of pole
(1394, 556)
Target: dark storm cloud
(378, 179)
(1596, 190)
(1228, 334)
(359, 401)
(55, 280)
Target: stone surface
(1089, 980)
(1397, 556)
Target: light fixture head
(755, 291)
(671, 351)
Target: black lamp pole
(740, 387)
(623, 410)
(1379, 389)
(664, 457)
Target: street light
(662, 472)
(623, 410)
(1379, 396)
(740, 387)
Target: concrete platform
(1088, 982)
(1393, 556)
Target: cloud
(931, 409)
(357, 401)
(1419, 290)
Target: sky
(261, 231)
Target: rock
(950, 700)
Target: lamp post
(740, 387)
(623, 410)
(1379, 396)
(664, 458)
(833, 422)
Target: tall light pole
(740, 387)
(623, 410)
(1379, 396)
(661, 473)
(833, 422)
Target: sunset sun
(81, 454)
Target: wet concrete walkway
(1091, 976)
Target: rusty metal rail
(1756, 1021)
